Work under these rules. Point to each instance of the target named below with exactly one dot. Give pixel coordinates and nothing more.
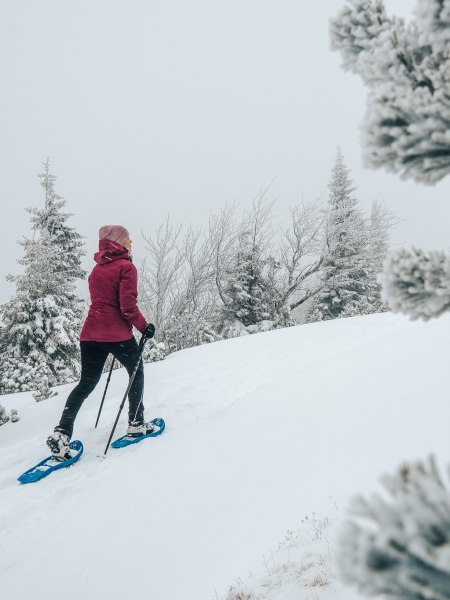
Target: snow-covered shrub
(406, 68)
(237, 329)
(43, 389)
(188, 329)
(400, 546)
(27, 373)
(417, 283)
(154, 351)
(4, 417)
(261, 327)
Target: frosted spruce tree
(399, 546)
(40, 325)
(250, 296)
(346, 276)
(406, 69)
(245, 286)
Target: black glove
(149, 331)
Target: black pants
(93, 357)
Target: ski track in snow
(260, 432)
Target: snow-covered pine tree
(251, 300)
(245, 287)
(248, 286)
(40, 325)
(404, 552)
(347, 280)
(406, 70)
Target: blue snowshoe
(52, 463)
(158, 427)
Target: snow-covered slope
(262, 432)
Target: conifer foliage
(40, 325)
(406, 70)
(252, 300)
(248, 290)
(347, 278)
(399, 547)
(417, 283)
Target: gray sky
(152, 107)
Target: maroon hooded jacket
(113, 288)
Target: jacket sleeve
(128, 297)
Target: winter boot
(58, 442)
(137, 429)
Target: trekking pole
(104, 393)
(130, 383)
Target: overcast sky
(156, 107)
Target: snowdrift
(264, 434)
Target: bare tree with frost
(381, 221)
(40, 325)
(193, 315)
(223, 236)
(406, 68)
(177, 288)
(160, 272)
(241, 275)
(399, 546)
(301, 255)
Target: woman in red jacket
(108, 329)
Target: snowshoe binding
(58, 442)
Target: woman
(108, 329)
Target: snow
(268, 437)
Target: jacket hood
(110, 251)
